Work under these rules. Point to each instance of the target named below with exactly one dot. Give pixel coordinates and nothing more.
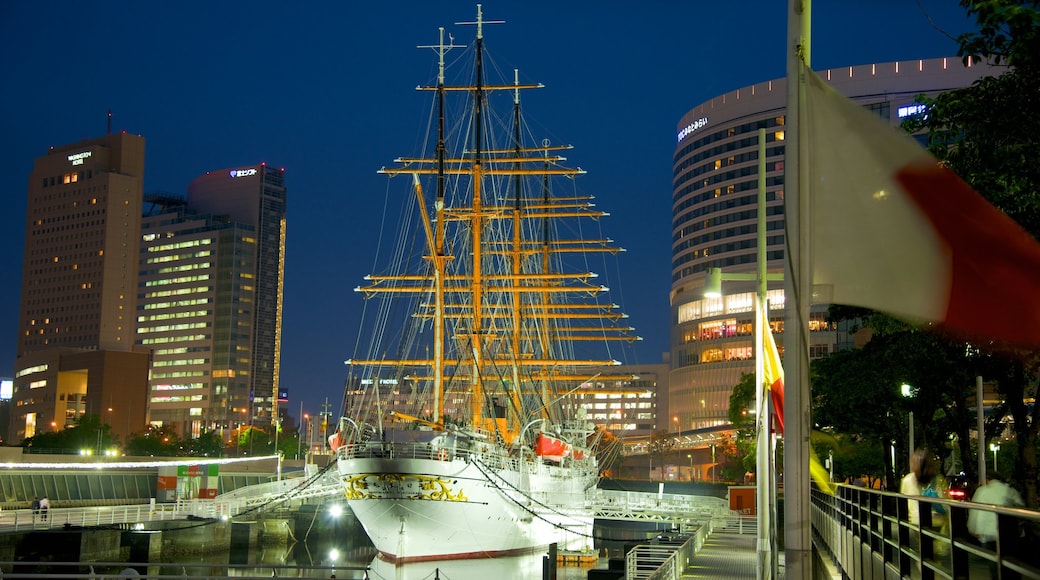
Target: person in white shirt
(45, 504)
(983, 524)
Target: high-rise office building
(213, 274)
(630, 407)
(714, 223)
(195, 313)
(75, 349)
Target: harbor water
(313, 542)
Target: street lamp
(307, 420)
(907, 391)
(766, 560)
(994, 447)
(690, 457)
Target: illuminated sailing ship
(501, 323)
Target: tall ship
(462, 435)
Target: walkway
(726, 555)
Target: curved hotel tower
(714, 224)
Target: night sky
(326, 90)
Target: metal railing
(122, 571)
(652, 507)
(872, 534)
(28, 519)
(662, 561)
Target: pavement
(726, 555)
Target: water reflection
(523, 567)
(319, 548)
(330, 556)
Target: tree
(288, 444)
(741, 402)
(729, 459)
(661, 442)
(251, 440)
(607, 449)
(207, 444)
(989, 134)
(87, 435)
(853, 389)
(853, 456)
(155, 442)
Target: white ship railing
(488, 454)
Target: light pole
(277, 424)
(713, 463)
(325, 415)
(980, 441)
(766, 562)
(307, 420)
(994, 447)
(908, 391)
(299, 435)
(690, 457)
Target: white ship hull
(418, 507)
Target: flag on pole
(774, 381)
(774, 374)
(895, 231)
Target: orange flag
(774, 381)
(774, 374)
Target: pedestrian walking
(983, 524)
(45, 505)
(925, 480)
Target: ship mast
(477, 402)
(476, 226)
(499, 321)
(435, 238)
(517, 254)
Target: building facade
(714, 224)
(195, 313)
(255, 196)
(626, 408)
(79, 279)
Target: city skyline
(327, 93)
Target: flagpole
(764, 568)
(798, 296)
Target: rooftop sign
(689, 129)
(77, 158)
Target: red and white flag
(895, 231)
